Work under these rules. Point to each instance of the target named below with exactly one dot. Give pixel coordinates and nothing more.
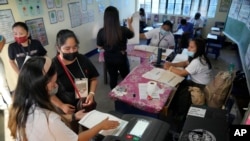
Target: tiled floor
(105, 104)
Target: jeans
(4, 89)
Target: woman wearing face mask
(161, 37)
(76, 68)
(198, 67)
(32, 116)
(24, 47)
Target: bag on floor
(218, 89)
(197, 95)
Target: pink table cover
(131, 84)
(138, 53)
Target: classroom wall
(86, 33)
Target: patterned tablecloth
(130, 83)
(138, 53)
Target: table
(130, 83)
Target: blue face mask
(164, 32)
(190, 53)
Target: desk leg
(105, 73)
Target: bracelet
(73, 118)
(92, 93)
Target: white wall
(86, 33)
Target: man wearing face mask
(161, 37)
(24, 47)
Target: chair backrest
(219, 25)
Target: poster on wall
(234, 9)
(37, 30)
(224, 5)
(58, 3)
(52, 16)
(60, 16)
(6, 22)
(75, 14)
(30, 7)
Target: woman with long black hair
(113, 39)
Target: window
(212, 8)
(207, 8)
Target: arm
(90, 97)
(14, 66)
(142, 36)
(178, 71)
(179, 64)
(130, 27)
(104, 125)
(66, 108)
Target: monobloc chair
(214, 46)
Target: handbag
(81, 100)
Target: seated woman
(198, 67)
(186, 35)
(161, 37)
(32, 116)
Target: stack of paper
(163, 76)
(146, 48)
(94, 117)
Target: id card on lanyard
(82, 86)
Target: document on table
(210, 36)
(94, 117)
(179, 32)
(163, 76)
(134, 61)
(143, 91)
(146, 48)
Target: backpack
(218, 89)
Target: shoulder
(100, 30)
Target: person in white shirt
(32, 116)
(198, 24)
(161, 37)
(5, 97)
(198, 67)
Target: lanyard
(80, 69)
(160, 39)
(28, 47)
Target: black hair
(142, 12)
(63, 35)
(183, 21)
(23, 25)
(169, 23)
(112, 29)
(197, 15)
(31, 91)
(200, 51)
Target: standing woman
(75, 71)
(24, 47)
(32, 116)
(113, 39)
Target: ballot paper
(179, 32)
(143, 91)
(163, 76)
(94, 117)
(146, 48)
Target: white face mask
(53, 91)
(164, 32)
(190, 53)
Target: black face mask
(70, 56)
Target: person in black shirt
(24, 47)
(76, 67)
(113, 39)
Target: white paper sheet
(163, 76)
(143, 91)
(94, 117)
(210, 36)
(197, 112)
(179, 32)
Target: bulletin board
(7, 20)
